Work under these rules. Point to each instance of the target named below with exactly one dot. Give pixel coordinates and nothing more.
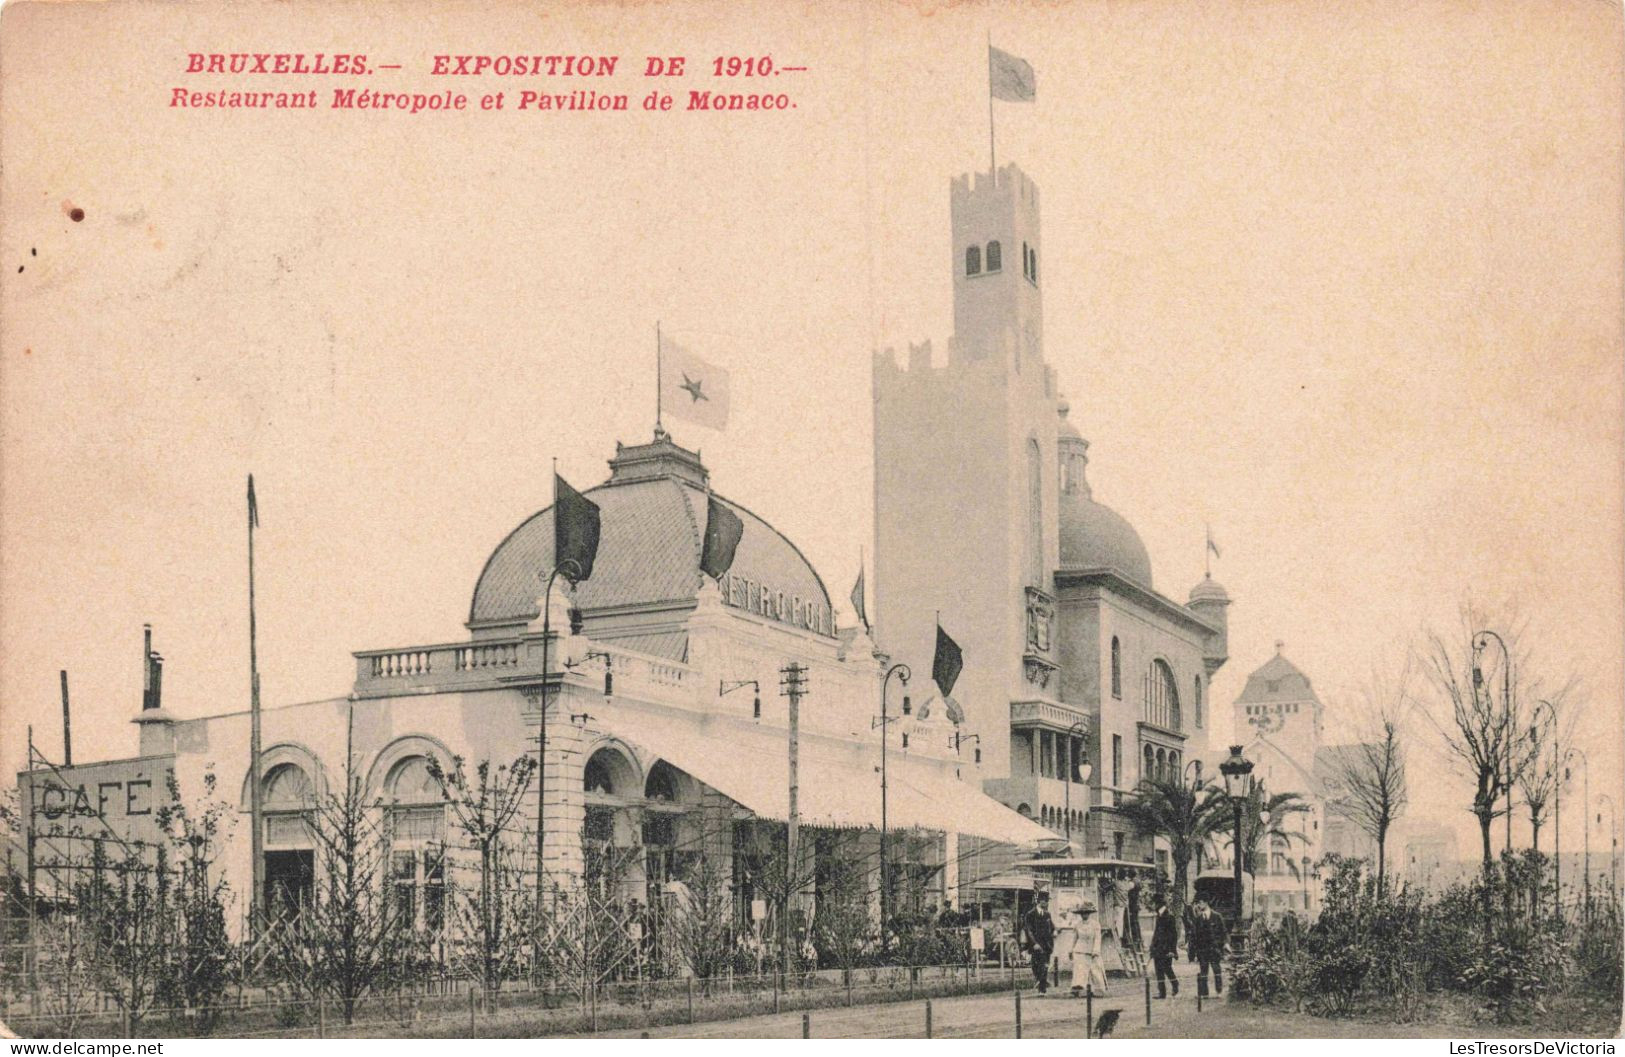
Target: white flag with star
(691, 388)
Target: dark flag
(723, 530)
(253, 507)
(575, 530)
(857, 600)
(949, 660)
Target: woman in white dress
(1087, 965)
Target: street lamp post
(1238, 786)
(1585, 820)
(1534, 834)
(1066, 778)
(1613, 846)
(884, 723)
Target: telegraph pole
(792, 684)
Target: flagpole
(255, 808)
(992, 156)
(659, 380)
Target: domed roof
(1209, 590)
(652, 524)
(1093, 535)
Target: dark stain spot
(32, 252)
(20, 269)
(76, 214)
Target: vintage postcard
(1093, 519)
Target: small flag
(1211, 546)
(575, 530)
(1010, 78)
(949, 661)
(723, 530)
(253, 507)
(691, 388)
(857, 600)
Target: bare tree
(493, 916)
(1478, 733)
(699, 922)
(1369, 775)
(201, 954)
(347, 941)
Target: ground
(993, 1017)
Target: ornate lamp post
(1066, 779)
(1585, 907)
(1238, 786)
(884, 721)
(1534, 834)
(1613, 846)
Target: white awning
(838, 781)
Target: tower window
(1117, 669)
(994, 256)
(1032, 266)
(1197, 702)
(973, 261)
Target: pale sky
(1342, 280)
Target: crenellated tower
(966, 473)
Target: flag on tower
(691, 388)
(946, 666)
(575, 530)
(1010, 78)
(253, 507)
(1211, 546)
(723, 530)
(857, 600)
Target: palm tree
(1184, 815)
(1262, 824)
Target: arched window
(973, 260)
(662, 783)
(417, 827)
(290, 868)
(994, 263)
(595, 777)
(1148, 773)
(1161, 696)
(1196, 700)
(1035, 512)
(1117, 669)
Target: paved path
(993, 1017)
(1049, 1017)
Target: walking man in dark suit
(1038, 939)
(1164, 948)
(1209, 937)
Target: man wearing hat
(1038, 939)
(1164, 949)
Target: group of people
(1206, 937)
(1206, 933)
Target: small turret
(1210, 601)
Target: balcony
(498, 663)
(1048, 715)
